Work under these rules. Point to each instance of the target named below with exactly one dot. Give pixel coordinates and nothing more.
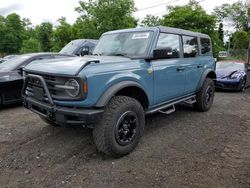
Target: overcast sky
(50, 10)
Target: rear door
(169, 77)
(194, 66)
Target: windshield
(230, 66)
(127, 44)
(13, 63)
(71, 47)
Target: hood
(4, 76)
(221, 74)
(8, 76)
(69, 66)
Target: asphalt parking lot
(184, 149)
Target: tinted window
(71, 47)
(171, 42)
(190, 46)
(205, 46)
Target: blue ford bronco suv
(132, 73)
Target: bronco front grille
(51, 82)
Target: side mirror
(163, 53)
(20, 70)
(85, 51)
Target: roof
(180, 31)
(161, 29)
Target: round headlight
(73, 88)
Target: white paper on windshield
(140, 36)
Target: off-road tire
(105, 131)
(203, 103)
(47, 121)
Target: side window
(205, 46)
(190, 46)
(170, 41)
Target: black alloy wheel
(126, 128)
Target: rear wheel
(205, 96)
(121, 127)
(47, 121)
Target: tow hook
(51, 115)
(25, 104)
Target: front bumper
(228, 85)
(58, 114)
(63, 115)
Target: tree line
(18, 35)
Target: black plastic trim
(61, 115)
(43, 83)
(110, 92)
(169, 104)
(204, 76)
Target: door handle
(199, 66)
(180, 69)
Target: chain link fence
(236, 54)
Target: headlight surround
(72, 88)
(236, 75)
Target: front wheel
(121, 127)
(205, 96)
(243, 84)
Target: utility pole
(228, 49)
(248, 51)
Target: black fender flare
(205, 75)
(111, 91)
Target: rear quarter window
(205, 46)
(190, 46)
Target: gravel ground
(184, 149)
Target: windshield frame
(230, 62)
(139, 56)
